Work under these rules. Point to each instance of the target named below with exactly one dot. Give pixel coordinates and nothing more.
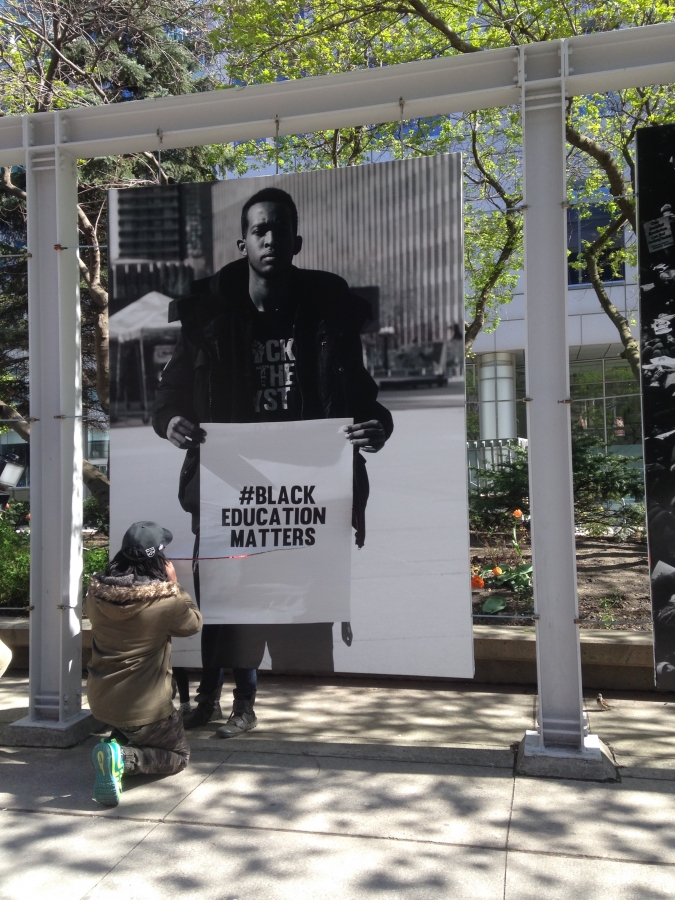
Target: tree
(261, 40)
(62, 53)
(602, 484)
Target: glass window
(624, 421)
(586, 379)
(619, 378)
(583, 227)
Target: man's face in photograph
(270, 242)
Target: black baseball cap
(145, 539)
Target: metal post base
(594, 763)
(28, 732)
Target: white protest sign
(268, 488)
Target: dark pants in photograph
(292, 648)
(159, 748)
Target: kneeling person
(135, 608)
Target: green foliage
(94, 516)
(95, 560)
(516, 578)
(57, 54)
(262, 41)
(14, 563)
(17, 513)
(604, 483)
(15, 558)
(494, 604)
(610, 602)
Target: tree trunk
(631, 351)
(94, 479)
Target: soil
(612, 582)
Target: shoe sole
(106, 789)
(226, 736)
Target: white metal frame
(538, 77)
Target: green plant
(516, 578)
(94, 516)
(95, 560)
(494, 604)
(17, 513)
(608, 490)
(610, 602)
(14, 564)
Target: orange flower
(496, 571)
(477, 582)
(518, 513)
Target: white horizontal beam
(600, 62)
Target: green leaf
(494, 604)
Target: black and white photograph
(656, 243)
(256, 307)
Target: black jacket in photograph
(210, 377)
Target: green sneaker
(108, 763)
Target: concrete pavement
(351, 789)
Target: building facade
(604, 392)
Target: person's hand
(184, 434)
(170, 571)
(367, 436)
(347, 635)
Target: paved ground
(351, 790)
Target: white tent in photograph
(149, 311)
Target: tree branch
(473, 328)
(18, 424)
(92, 476)
(8, 186)
(631, 351)
(617, 185)
(456, 42)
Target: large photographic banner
(656, 249)
(321, 558)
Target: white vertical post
(56, 440)
(561, 721)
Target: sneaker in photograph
(108, 761)
(242, 719)
(202, 714)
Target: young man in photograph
(264, 341)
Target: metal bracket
(527, 399)
(566, 400)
